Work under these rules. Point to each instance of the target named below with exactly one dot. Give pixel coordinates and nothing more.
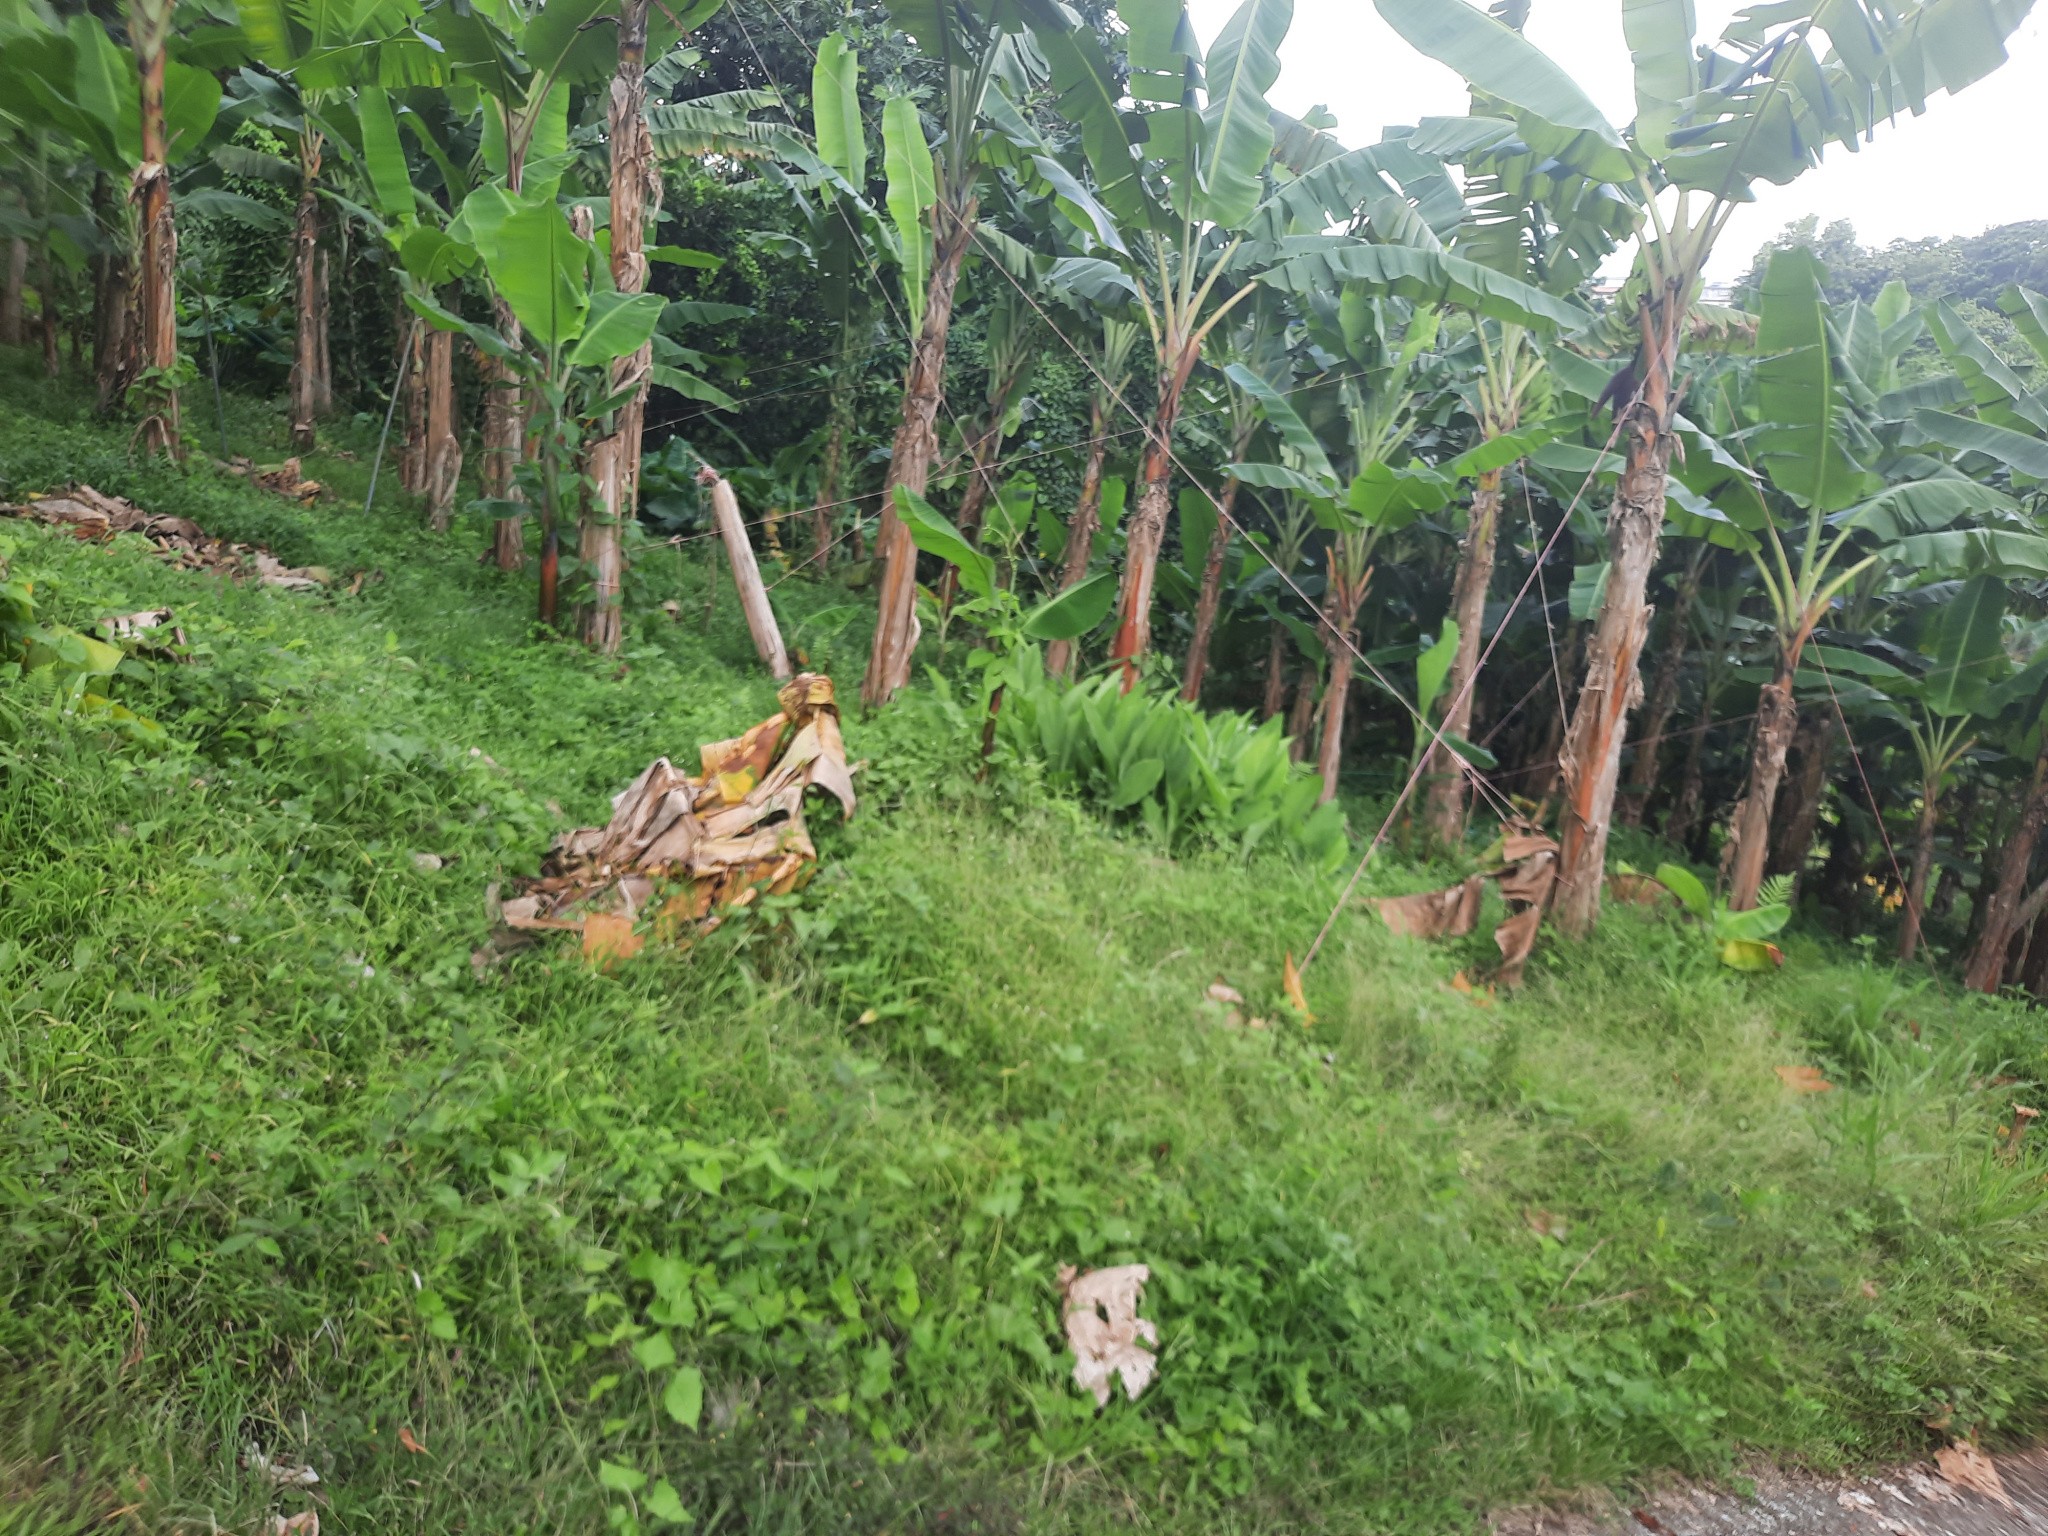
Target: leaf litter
(1103, 1329)
(1524, 868)
(92, 515)
(682, 850)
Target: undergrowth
(284, 1165)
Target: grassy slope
(276, 1165)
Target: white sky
(1969, 163)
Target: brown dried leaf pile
(682, 849)
(91, 514)
(1526, 875)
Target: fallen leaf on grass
(1964, 1466)
(1103, 1329)
(1449, 913)
(1516, 938)
(1290, 978)
(281, 1471)
(1544, 1224)
(305, 1523)
(609, 938)
(1634, 889)
(1221, 991)
(1804, 1079)
(406, 1439)
(1482, 997)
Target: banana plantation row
(1781, 561)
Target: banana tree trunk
(823, 508)
(46, 305)
(910, 461)
(1059, 655)
(323, 362)
(305, 379)
(1301, 714)
(156, 278)
(443, 449)
(1344, 597)
(1591, 763)
(1749, 829)
(616, 458)
(1274, 698)
(1986, 968)
(113, 305)
(982, 452)
(1661, 702)
(1923, 861)
(1445, 814)
(1148, 522)
(1211, 599)
(1793, 833)
(12, 308)
(504, 432)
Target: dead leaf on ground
(305, 1523)
(1517, 939)
(1639, 890)
(1221, 991)
(1482, 997)
(680, 851)
(1290, 979)
(2011, 1136)
(1449, 913)
(281, 1471)
(1804, 1079)
(1544, 1224)
(1964, 1466)
(406, 1439)
(91, 514)
(1103, 1329)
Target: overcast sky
(1970, 162)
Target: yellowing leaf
(735, 787)
(1803, 1079)
(609, 938)
(1290, 978)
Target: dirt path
(1908, 1501)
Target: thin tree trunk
(504, 432)
(13, 330)
(1923, 861)
(1685, 809)
(1662, 700)
(1301, 715)
(910, 462)
(306, 253)
(1148, 523)
(157, 310)
(113, 305)
(1275, 696)
(1059, 655)
(988, 441)
(323, 363)
(1591, 763)
(828, 485)
(2031, 971)
(725, 508)
(1211, 599)
(46, 303)
(1793, 832)
(1986, 966)
(443, 448)
(1749, 830)
(412, 453)
(1342, 599)
(616, 459)
(1445, 815)
(1549, 760)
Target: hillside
(283, 1168)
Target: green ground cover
(766, 1235)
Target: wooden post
(746, 575)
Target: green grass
(278, 1164)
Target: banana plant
(1824, 516)
(1761, 103)
(1966, 656)
(987, 55)
(137, 112)
(1102, 497)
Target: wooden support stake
(746, 575)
